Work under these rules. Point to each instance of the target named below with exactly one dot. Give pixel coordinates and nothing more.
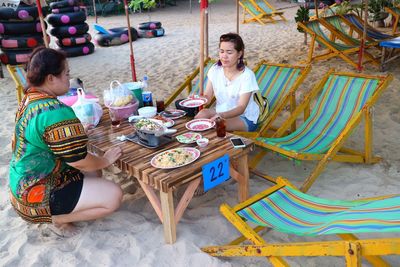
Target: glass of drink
(220, 127)
(160, 105)
(115, 119)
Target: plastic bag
(87, 110)
(118, 95)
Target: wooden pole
(42, 24)
(237, 16)
(316, 8)
(206, 33)
(203, 7)
(364, 37)
(132, 58)
(94, 10)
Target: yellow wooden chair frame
(272, 14)
(332, 51)
(18, 74)
(350, 247)
(396, 17)
(336, 152)
(261, 18)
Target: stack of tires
(150, 29)
(20, 33)
(70, 29)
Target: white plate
(188, 138)
(193, 102)
(173, 114)
(167, 122)
(174, 154)
(199, 125)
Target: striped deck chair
(286, 209)
(330, 11)
(334, 47)
(269, 9)
(343, 100)
(354, 21)
(255, 12)
(395, 12)
(188, 83)
(18, 74)
(278, 83)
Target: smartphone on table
(237, 142)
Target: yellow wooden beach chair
(18, 74)
(334, 46)
(343, 100)
(328, 11)
(192, 83)
(255, 12)
(395, 12)
(278, 84)
(286, 209)
(268, 9)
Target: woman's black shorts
(64, 200)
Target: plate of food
(174, 158)
(173, 113)
(193, 102)
(188, 138)
(199, 125)
(167, 122)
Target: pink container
(126, 111)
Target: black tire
(79, 50)
(25, 13)
(151, 33)
(62, 4)
(71, 30)
(151, 25)
(21, 41)
(66, 18)
(73, 41)
(15, 57)
(66, 10)
(118, 37)
(21, 27)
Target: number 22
(212, 171)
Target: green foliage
(302, 15)
(376, 8)
(343, 8)
(139, 4)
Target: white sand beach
(133, 236)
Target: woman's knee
(115, 193)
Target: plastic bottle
(145, 82)
(147, 96)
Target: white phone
(237, 142)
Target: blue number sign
(216, 172)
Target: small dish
(199, 125)
(202, 142)
(193, 102)
(188, 138)
(147, 112)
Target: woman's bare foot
(64, 230)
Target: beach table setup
(389, 48)
(214, 162)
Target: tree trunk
(305, 38)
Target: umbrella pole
(94, 10)
(39, 8)
(364, 37)
(132, 58)
(237, 16)
(206, 32)
(203, 7)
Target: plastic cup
(115, 119)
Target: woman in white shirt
(233, 85)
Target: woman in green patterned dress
(52, 175)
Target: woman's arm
(238, 110)
(209, 92)
(93, 163)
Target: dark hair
(238, 45)
(42, 62)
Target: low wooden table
(136, 162)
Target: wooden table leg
(168, 215)
(243, 182)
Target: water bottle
(145, 82)
(146, 95)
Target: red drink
(160, 105)
(115, 119)
(220, 127)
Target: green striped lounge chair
(358, 25)
(285, 209)
(192, 83)
(343, 99)
(267, 8)
(331, 10)
(278, 84)
(256, 14)
(334, 47)
(395, 12)
(17, 73)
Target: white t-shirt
(228, 92)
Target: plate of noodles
(174, 158)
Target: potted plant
(376, 10)
(302, 15)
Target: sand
(133, 236)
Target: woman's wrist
(220, 115)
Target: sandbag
(68, 31)
(21, 27)
(151, 33)
(78, 50)
(72, 41)
(115, 36)
(70, 18)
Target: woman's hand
(213, 118)
(113, 154)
